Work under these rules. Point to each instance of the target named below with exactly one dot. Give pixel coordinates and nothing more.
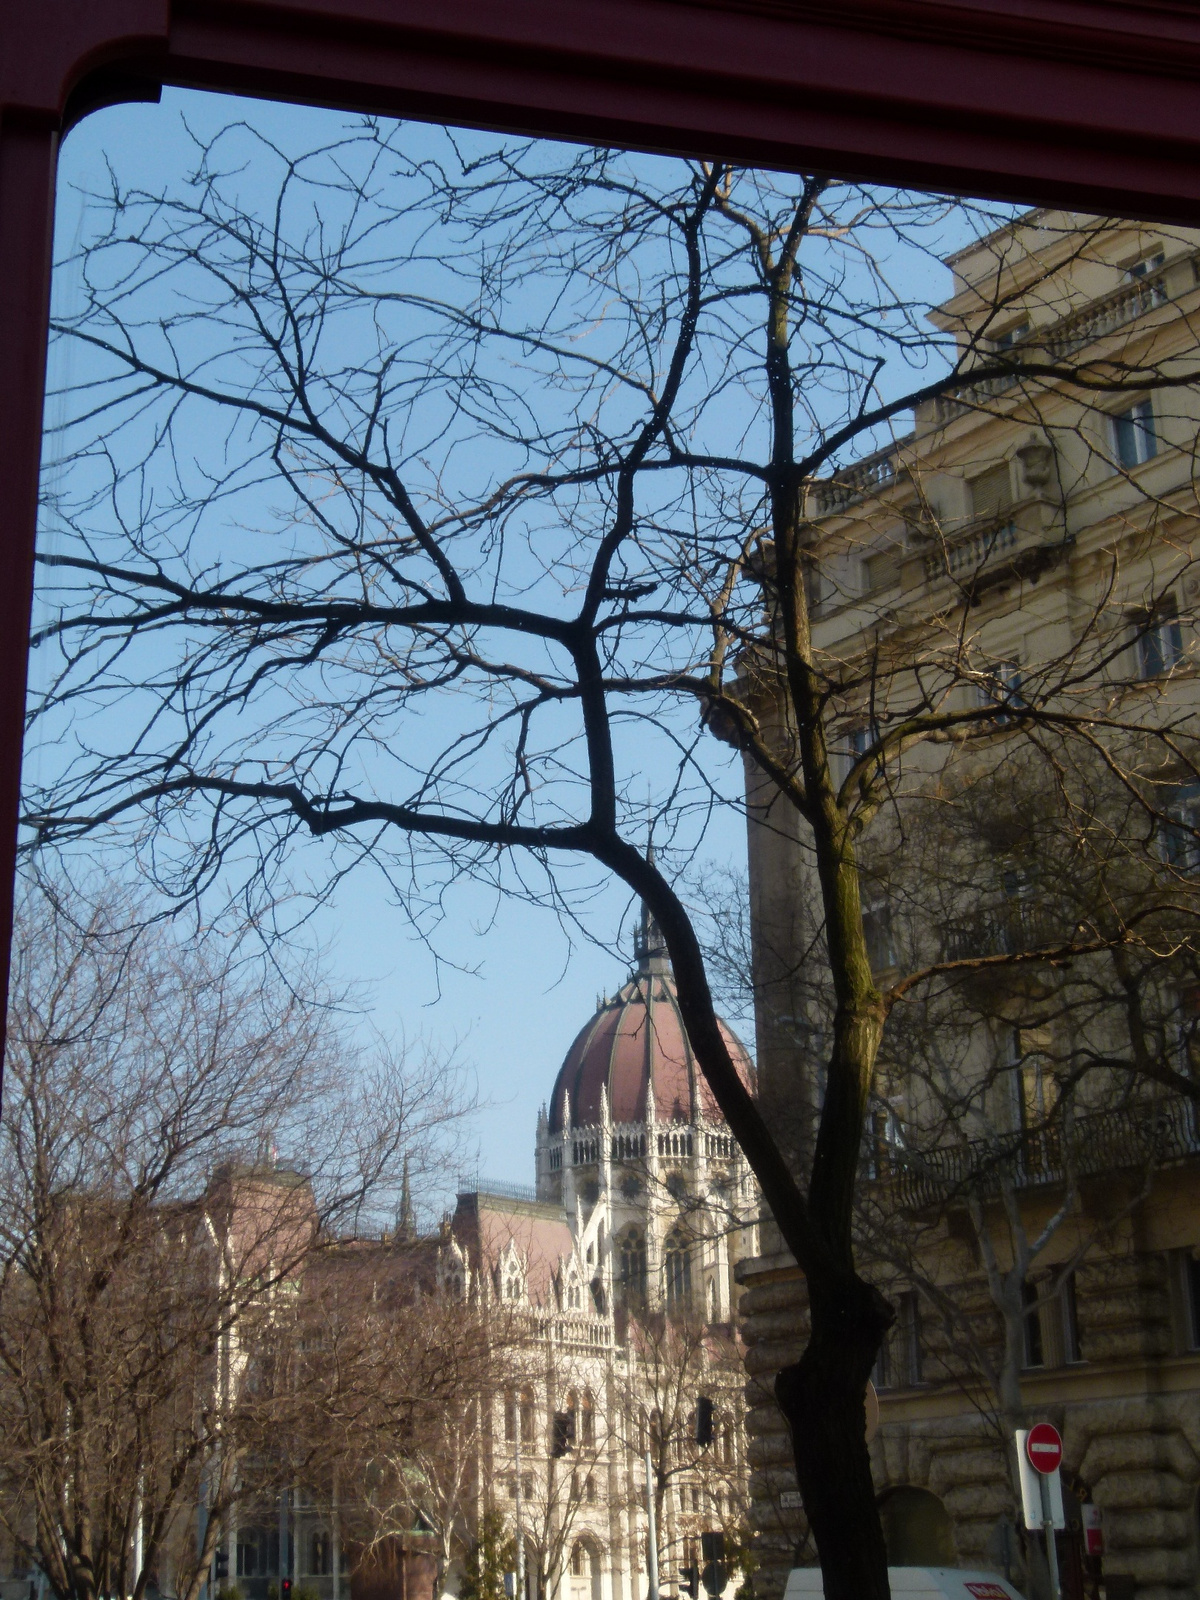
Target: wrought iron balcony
(1018, 923)
(1143, 1134)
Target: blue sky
(520, 985)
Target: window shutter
(991, 491)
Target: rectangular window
(1068, 1312)
(815, 588)
(877, 930)
(1134, 437)
(1148, 267)
(1037, 1090)
(855, 742)
(885, 1139)
(900, 1363)
(1034, 1352)
(1179, 834)
(1011, 336)
(1190, 1283)
(1159, 641)
(908, 1326)
(1148, 264)
(881, 1373)
(1001, 689)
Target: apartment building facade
(1029, 542)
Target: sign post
(1039, 1456)
(651, 1532)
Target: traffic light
(704, 1421)
(563, 1433)
(715, 1574)
(689, 1581)
(285, 1589)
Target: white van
(914, 1583)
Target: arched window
(510, 1416)
(631, 1264)
(587, 1419)
(571, 1407)
(527, 1418)
(586, 1562)
(512, 1286)
(677, 1271)
(320, 1564)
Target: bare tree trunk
(823, 1398)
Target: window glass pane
(1034, 1356)
(1134, 435)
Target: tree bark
(823, 1399)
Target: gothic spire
(649, 946)
(406, 1221)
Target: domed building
(619, 1266)
(634, 1146)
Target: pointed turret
(605, 1143)
(406, 1220)
(650, 948)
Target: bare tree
(516, 439)
(1009, 1094)
(1039, 1078)
(153, 1236)
(396, 1384)
(698, 1486)
(564, 1478)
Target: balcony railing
(1018, 924)
(971, 396)
(1064, 338)
(1025, 538)
(865, 477)
(493, 1189)
(969, 553)
(1102, 317)
(1161, 1132)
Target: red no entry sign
(1043, 1446)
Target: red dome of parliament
(637, 1040)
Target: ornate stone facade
(1017, 511)
(617, 1270)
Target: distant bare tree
(395, 1383)
(674, 1360)
(151, 1239)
